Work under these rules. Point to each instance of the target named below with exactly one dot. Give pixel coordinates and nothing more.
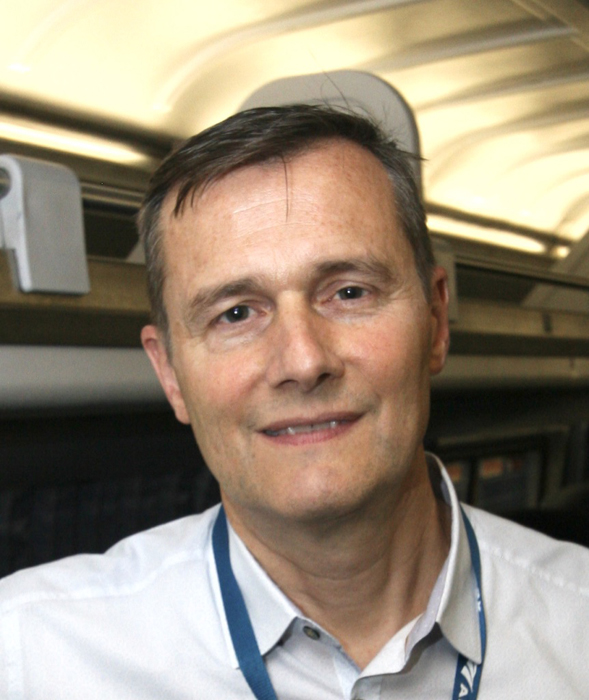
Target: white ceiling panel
(500, 88)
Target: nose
(303, 349)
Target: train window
(499, 481)
(460, 472)
(508, 481)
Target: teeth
(296, 429)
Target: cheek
(399, 376)
(216, 389)
(395, 356)
(214, 411)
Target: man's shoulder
(130, 565)
(535, 594)
(523, 556)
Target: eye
(236, 314)
(351, 292)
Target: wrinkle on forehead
(338, 151)
(288, 193)
(272, 167)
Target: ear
(440, 338)
(155, 347)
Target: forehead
(330, 167)
(335, 198)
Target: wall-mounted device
(42, 226)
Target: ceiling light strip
(490, 236)
(70, 142)
(452, 214)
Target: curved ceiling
(500, 89)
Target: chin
(326, 505)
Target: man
(298, 318)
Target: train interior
(499, 94)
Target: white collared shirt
(146, 621)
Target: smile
(311, 428)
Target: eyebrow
(368, 265)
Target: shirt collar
(457, 614)
(452, 604)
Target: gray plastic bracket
(42, 225)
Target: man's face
(302, 342)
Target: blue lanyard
(251, 663)
(468, 673)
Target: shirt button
(311, 633)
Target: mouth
(306, 428)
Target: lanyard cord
(251, 663)
(240, 626)
(468, 673)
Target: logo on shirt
(469, 672)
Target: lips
(310, 428)
(304, 426)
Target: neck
(362, 576)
